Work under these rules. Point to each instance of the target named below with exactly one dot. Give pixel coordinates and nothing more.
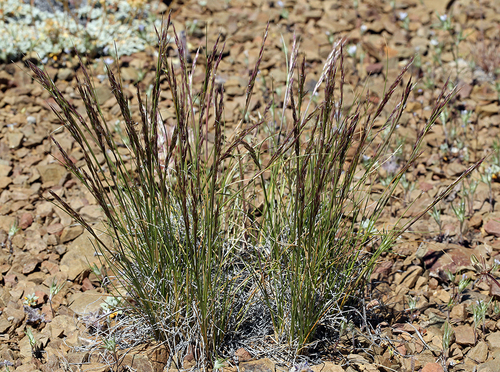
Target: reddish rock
(476, 221)
(492, 227)
(433, 367)
(242, 355)
(425, 186)
(374, 68)
(55, 229)
(10, 280)
(464, 91)
(30, 266)
(49, 267)
(26, 220)
(42, 297)
(87, 285)
(442, 257)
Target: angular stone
(5, 170)
(409, 278)
(97, 367)
(374, 68)
(138, 362)
(65, 74)
(242, 355)
(485, 92)
(86, 302)
(433, 367)
(14, 139)
(490, 366)
(27, 367)
(4, 182)
(479, 353)
(492, 227)
(45, 209)
(26, 220)
(476, 221)
(4, 324)
(441, 257)
(103, 93)
(464, 335)
(129, 74)
(488, 110)
(81, 254)
(494, 340)
(91, 213)
(30, 266)
(458, 312)
(71, 233)
(52, 173)
(62, 325)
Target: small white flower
(434, 42)
(443, 17)
(402, 16)
(108, 60)
(363, 28)
(351, 50)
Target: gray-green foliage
(91, 28)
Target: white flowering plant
(91, 28)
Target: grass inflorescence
(264, 233)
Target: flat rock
(490, 366)
(441, 257)
(242, 355)
(70, 233)
(5, 170)
(464, 335)
(65, 74)
(62, 325)
(492, 227)
(15, 138)
(494, 340)
(103, 93)
(51, 172)
(432, 367)
(129, 74)
(409, 279)
(86, 302)
(479, 353)
(80, 254)
(91, 213)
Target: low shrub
(42, 32)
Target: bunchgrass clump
(267, 233)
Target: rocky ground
(456, 39)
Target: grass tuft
(270, 232)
